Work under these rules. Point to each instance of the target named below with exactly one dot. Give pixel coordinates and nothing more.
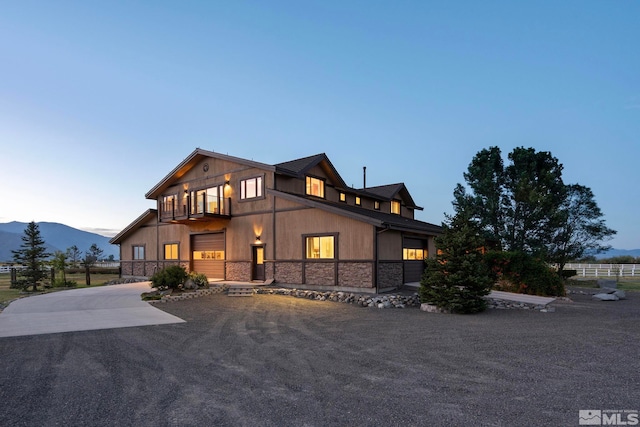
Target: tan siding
(390, 246)
(355, 238)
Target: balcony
(200, 210)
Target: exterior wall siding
(390, 274)
(355, 274)
(320, 273)
(288, 272)
(239, 271)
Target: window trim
(260, 193)
(133, 252)
(164, 251)
(395, 203)
(323, 187)
(305, 237)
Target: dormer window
(358, 201)
(395, 207)
(343, 197)
(315, 187)
(376, 205)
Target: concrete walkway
(103, 307)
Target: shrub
(171, 277)
(522, 273)
(199, 279)
(61, 283)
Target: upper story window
(138, 252)
(315, 187)
(320, 247)
(343, 197)
(395, 207)
(358, 201)
(171, 251)
(376, 205)
(208, 200)
(251, 188)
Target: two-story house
(296, 223)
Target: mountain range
(57, 237)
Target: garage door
(207, 254)
(414, 252)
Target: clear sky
(100, 100)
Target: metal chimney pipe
(364, 176)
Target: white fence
(100, 264)
(605, 270)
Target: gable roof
(373, 217)
(147, 216)
(391, 191)
(190, 161)
(299, 167)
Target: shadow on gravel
(278, 360)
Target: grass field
(627, 284)
(8, 294)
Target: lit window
(358, 201)
(208, 200)
(395, 207)
(343, 197)
(138, 252)
(414, 254)
(315, 187)
(208, 255)
(376, 205)
(320, 247)
(171, 251)
(251, 188)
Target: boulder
(605, 297)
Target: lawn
(626, 283)
(8, 294)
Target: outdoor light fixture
(226, 183)
(257, 238)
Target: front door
(257, 271)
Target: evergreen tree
(33, 255)
(457, 279)
(90, 258)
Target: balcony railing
(200, 209)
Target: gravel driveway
(279, 361)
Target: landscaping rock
(605, 297)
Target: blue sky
(100, 100)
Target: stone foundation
(390, 274)
(239, 271)
(320, 273)
(355, 274)
(288, 272)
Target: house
(294, 223)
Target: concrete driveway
(103, 307)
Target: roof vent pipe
(364, 177)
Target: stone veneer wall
(269, 270)
(355, 274)
(288, 272)
(320, 273)
(390, 274)
(238, 270)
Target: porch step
(240, 291)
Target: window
(320, 247)
(208, 200)
(343, 197)
(203, 255)
(414, 254)
(171, 251)
(395, 207)
(138, 252)
(315, 187)
(358, 201)
(376, 205)
(251, 188)
(170, 204)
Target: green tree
(60, 264)
(90, 258)
(457, 279)
(33, 255)
(526, 207)
(582, 229)
(74, 254)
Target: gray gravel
(277, 360)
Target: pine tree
(458, 278)
(33, 255)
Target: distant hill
(56, 237)
(619, 252)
